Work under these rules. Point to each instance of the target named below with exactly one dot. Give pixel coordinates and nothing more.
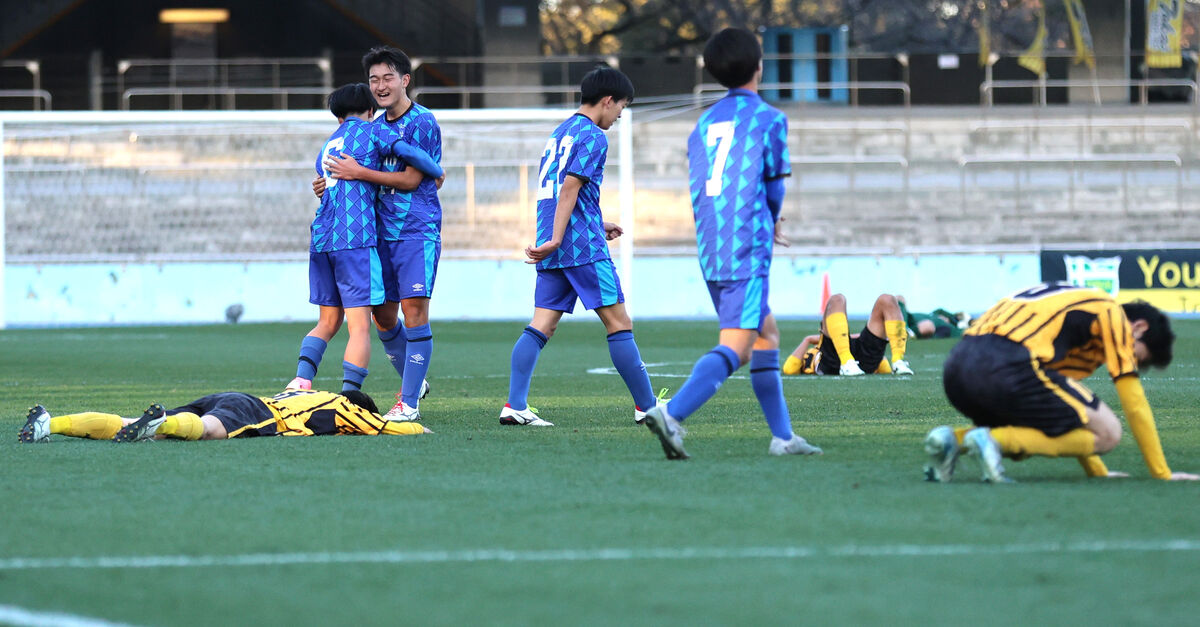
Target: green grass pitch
(584, 523)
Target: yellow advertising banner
(1080, 33)
(1168, 278)
(1164, 29)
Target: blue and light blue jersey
(346, 217)
(416, 214)
(738, 145)
(576, 148)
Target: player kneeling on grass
(835, 351)
(227, 415)
(1016, 375)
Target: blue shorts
(409, 268)
(594, 284)
(741, 304)
(345, 278)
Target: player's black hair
(393, 57)
(605, 81)
(360, 398)
(1158, 338)
(350, 99)
(732, 56)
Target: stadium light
(193, 16)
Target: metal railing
(222, 78)
(37, 95)
(1073, 161)
(1085, 128)
(40, 97)
(567, 91)
(852, 86)
(1143, 84)
(229, 94)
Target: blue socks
(524, 358)
(395, 343)
(768, 387)
(625, 356)
(352, 376)
(419, 349)
(311, 351)
(707, 376)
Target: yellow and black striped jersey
(310, 412)
(1066, 328)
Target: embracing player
(345, 275)
(410, 225)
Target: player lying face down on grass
(836, 351)
(1016, 374)
(227, 415)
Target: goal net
(87, 187)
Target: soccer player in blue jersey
(410, 225)
(571, 254)
(738, 158)
(345, 274)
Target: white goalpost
(167, 187)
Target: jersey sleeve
(776, 158)
(1141, 423)
(1117, 337)
(587, 156)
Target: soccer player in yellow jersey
(1016, 375)
(228, 415)
(836, 351)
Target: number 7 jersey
(738, 145)
(576, 148)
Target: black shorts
(242, 415)
(867, 350)
(996, 382)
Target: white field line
(596, 555)
(12, 615)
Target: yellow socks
(393, 427)
(1093, 466)
(839, 331)
(897, 336)
(92, 425)
(792, 365)
(1022, 442)
(182, 426)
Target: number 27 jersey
(738, 145)
(576, 148)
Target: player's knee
(837, 302)
(886, 300)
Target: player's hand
(345, 167)
(426, 429)
(439, 181)
(1183, 476)
(612, 231)
(779, 237)
(538, 253)
(319, 186)
(1116, 474)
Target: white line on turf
(597, 555)
(12, 615)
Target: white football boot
(143, 428)
(901, 367)
(37, 426)
(851, 369)
(299, 383)
(983, 448)
(525, 417)
(943, 452)
(639, 416)
(795, 446)
(670, 433)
